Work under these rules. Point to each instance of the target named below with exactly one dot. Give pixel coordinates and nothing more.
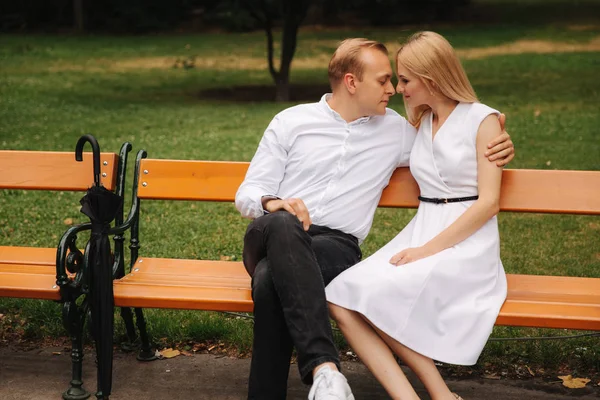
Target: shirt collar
(325, 105)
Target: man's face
(373, 92)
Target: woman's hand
(409, 255)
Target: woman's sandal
(457, 396)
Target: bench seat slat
(550, 315)
(42, 170)
(27, 269)
(27, 255)
(33, 282)
(168, 266)
(187, 298)
(540, 301)
(28, 272)
(183, 281)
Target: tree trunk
(293, 14)
(282, 88)
(78, 15)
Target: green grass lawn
(55, 88)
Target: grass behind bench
(53, 89)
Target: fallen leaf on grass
(169, 353)
(573, 383)
(186, 353)
(68, 221)
(530, 371)
(225, 258)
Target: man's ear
(350, 82)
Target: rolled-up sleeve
(265, 173)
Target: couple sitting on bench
(312, 188)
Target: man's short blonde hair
(346, 59)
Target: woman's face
(411, 87)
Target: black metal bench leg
(74, 321)
(146, 353)
(132, 337)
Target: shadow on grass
(264, 93)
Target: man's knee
(281, 220)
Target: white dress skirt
(443, 306)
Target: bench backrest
(547, 191)
(40, 170)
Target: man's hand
(501, 149)
(293, 206)
(409, 255)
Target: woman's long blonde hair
(431, 57)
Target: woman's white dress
(443, 306)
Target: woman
(435, 290)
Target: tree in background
(291, 13)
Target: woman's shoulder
(478, 111)
(476, 114)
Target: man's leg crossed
(296, 262)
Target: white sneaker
(330, 385)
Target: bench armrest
(135, 201)
(67, 242)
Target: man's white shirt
(338, 169)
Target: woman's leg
(373, 352)
(423, 366)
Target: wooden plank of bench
(555, 289)
(203, 268)
(550, 315)
(539, 301)
(190, 180)
(28, 282)
(185, 284)
(40, 170)
(548, 191)
(523, 190)
(552, 301)
(27, 269)
(27, 255)
(564, 192)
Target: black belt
(444, 201)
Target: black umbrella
(101, 206)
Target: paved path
(40, 374)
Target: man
(312, 189)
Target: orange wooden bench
(533, 301)
(55, 273)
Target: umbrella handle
(96, 152)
